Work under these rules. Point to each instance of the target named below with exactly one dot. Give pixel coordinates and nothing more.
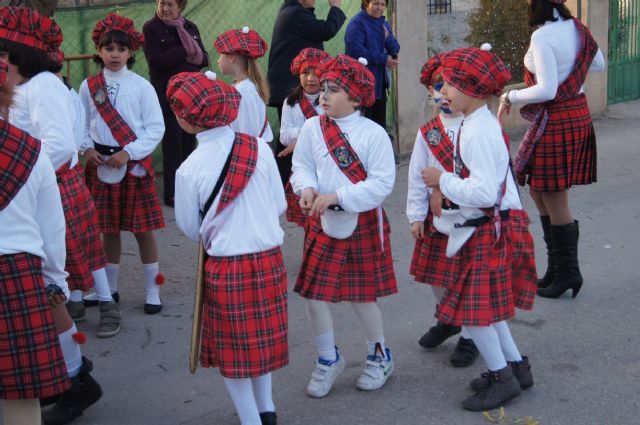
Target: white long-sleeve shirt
(137, 103)
(252, 112)
(79, 121)
(250, 223)
(33, 223)
(42, 108)
(418, 193)
(293, 119)
(314, 167)
(551, 57)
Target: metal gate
(624, 50)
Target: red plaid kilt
(31, 362)
(429, 263)
(294, 212)
(353, 269)
(521, 253)
(566, 153)
(482, 293)
(129, 206)
(84, 248)
(244, 325)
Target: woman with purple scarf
(172, 44)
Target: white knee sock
(262, 391)
(319, 315)
(508, 345)
(75, 296)
(465, 333)
(488, 343)
(326, 344)
(112, 276)
(71, 351)
(371, 318)
(438, 292)
(101, 286)
(153, 290)
(21, 412)
(241, 392)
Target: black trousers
(176, 147)
(284, 163)
(378, 111)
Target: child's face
(13, 76)
(310, 82)
(225, 63)
(439, 99)
(336, 102)
(114, 56)
(456, 100)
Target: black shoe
(47, 401)
(169, 202)
(547, 279)
(94, 303)
(465, 353)
(269, 418)
(567, 275)
(437, 335)
(84, 392)
(152, 308)
(503, 386)
(521, 370)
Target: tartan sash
(308, 110)
(537, 113)
(439, 144)
(18, 154)
(264, 125)
(120, 130)
(244, 157)
(341, 151)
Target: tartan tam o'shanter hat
(27, 26)
(430, 69)
(245, 42)
(352, 75)
(116, 22)
(308, 58)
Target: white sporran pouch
(457, 238)
(339, 224)
(447, 220)
(108, 174)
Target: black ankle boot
(521, 370)
(503, 386)
(547, 279)
(564, 240)
(438, 334)
(83, 393)
(465, 353)
(269, 418)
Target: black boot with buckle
(521, 370)
(465, 353)
(564, 240)
(503, 386)
(547, 279)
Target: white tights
(495, 343)
(251, 396)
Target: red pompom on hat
(79, 337)
(245, 42)
(430, 69)
(352, 75)
(308, 58)
(202, 100)
(28, 27)
(475, 72)
(3, 73)
(115, 22)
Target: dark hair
(296, 95)
(541, 11)
(365, 3)
(29, 60)
(6, 99)
(116, 37)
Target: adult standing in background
(296, 28)
(172, 44)
(369, 36)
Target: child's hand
(503, 109)
(321, 203)
(119, 159)
(57, 300)
(93, 157)
(306, 199)
(431, 176)
(435, 202)
(417, 230)
(287, 151)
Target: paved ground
(584, 352)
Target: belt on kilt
(475, 222)
(106, 150)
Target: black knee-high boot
(547, 279)
(564, 240)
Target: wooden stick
(196, 327)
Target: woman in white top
(559, 150)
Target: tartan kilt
(566, 153)
(31, 361)
(84, 248)
(482, 293)
(355, 269)
(129, 206)
(429, 262)
(245, 319)
(521, 253)
(294, 212)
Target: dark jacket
(364, 38)
(166, 55)
(296, 28)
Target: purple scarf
(194, 52)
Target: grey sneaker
(76, 311)
(324, 375)
(109, 319)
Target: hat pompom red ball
(79, 337)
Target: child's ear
(431, 90)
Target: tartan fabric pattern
(203, 102)
(27, 26)
(244, 325)
(18, 154)
(308, 58)
(337, 143)
(115, 22)
(430, 69)
(31, 361)
(443, 151)
(307, 108)
(294, 212)
(539, 113)
(475, 72)
(130, 206)
(238, 42)
(521, 253)
(120, 130)
(82, 238)
(352, 76)
(429, 262)
(244, 159)
(356, 269)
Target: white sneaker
(376, 372)
(324, 376)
